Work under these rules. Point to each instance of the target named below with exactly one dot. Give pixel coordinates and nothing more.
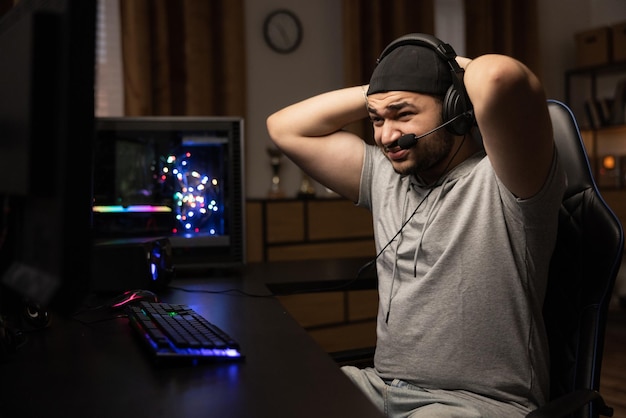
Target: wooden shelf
(604, 141)
(583, 91)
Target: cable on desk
(223, 292)
(336, 287)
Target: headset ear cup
(454, 104)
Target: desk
(100, 370)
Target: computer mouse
(133, 296)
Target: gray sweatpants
(399, 399)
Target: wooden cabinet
(315, 229)
(300, 229)
(338, 321)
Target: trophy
(307, 190)
(275, 191)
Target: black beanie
(411, 68)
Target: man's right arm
(311, 134)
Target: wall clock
(282, 31)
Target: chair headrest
(572, 152)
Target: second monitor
(175, 177)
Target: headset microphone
(407, 141)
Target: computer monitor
(47, 56)
(179, 177)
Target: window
(109, 88)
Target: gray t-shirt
(462, 286)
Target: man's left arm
(512, 114)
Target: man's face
(397, 113)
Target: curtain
(5, 6)
(183, 57)
(508, 27)
(368, 26)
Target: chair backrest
(584, 266)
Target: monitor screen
(175, 177)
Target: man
(465, 223)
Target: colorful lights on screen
(182, 185)
(198, 196)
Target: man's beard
(433, 152)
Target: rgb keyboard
(173, 331)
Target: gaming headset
(457, 113)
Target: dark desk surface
(72, 369)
